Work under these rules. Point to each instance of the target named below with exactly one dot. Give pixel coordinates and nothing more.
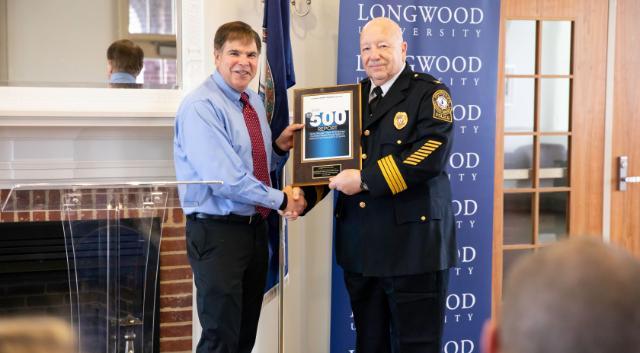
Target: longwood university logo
(424, 14)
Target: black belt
(254, 219)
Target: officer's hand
(285, 140)
(348, 182)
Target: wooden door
(625, 205)
(530, 189)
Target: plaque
(330, 140)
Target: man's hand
(296, 203)
(347, 181)
(285, 140)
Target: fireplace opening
(101, 277)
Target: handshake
(296, 203)
(348, 181)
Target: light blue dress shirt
(211, 142)
(122, 77)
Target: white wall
(308, 288)
(60, 41)
(3, 40)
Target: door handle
(623, 179)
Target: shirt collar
(385, 86)
(231, 93)
(122, 77)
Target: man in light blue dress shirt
(226, 235)
(124, 62)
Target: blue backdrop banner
(456, 41)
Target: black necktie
(374, 102)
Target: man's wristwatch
(285, 201)
(363, 184)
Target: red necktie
(258, 154)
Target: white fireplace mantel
(50, 106)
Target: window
(152, 24)
(537, 135)
(155, 17)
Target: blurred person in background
(577, 296)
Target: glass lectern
(112, 245)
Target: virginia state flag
(277, 75)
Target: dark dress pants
(229, 262)
(400, 314)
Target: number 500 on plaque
(330, 140)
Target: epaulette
(425, 77)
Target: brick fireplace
(175, 277)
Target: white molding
(93, 132)
(38, 102)
(49, 164)
(85, 121)
(192, 47)
(19, 172)
(191, 50)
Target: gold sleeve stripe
(389, 165)
(423, 152)
(413, 159)
(392, 175)
(417, 157)
(396, 171)
(387, 176)
(393, 185)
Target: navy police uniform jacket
(404, 224)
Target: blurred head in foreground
(36, 335)
(577, 296)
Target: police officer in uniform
(395, 229)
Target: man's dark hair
(125, 56)
(236, 30)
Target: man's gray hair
(577, 296)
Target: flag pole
(281, 269)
